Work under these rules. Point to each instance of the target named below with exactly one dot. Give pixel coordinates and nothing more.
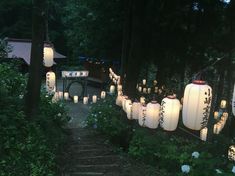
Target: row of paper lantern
(116, 79)
(142, 88)
(195, 114)
(60, 96)
(152, 114)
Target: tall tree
(36, 60)
(137, 45)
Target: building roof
(21, 48)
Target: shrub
(110, 120)
(166, 151)
(27, 147)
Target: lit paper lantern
(50, 82)
(127, 102)
(66, 95)
(119, 88)
(197, 103)
(75, 99)
(119, 100)
(129, 110)
(216, 115)
(102, 94)
(140, 89)
(60, 95)
(145, 90)
(135, 110)
(231, 153)
(233, 101)
(155, 89)
(152, 115)
(149, 90)
(142, 100)
(155, 82)
(223, 104)
(94, 99)
(112, 89)
(203, 134)
(124, 101)
(142, 115)
(48, 56)
(170, 109)
(144, 81)
(120, 93)
(85, 100)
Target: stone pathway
(87, 153)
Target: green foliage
(164, 151)
(94, 27)
(169, 152)
(105, 116)
(27, 147)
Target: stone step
(86, 147)
(109, 159)
(92, 152)
(85, 173)
(102, 168)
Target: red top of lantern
(200, 82)
(171, 96)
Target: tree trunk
(36, 60)
(137, 47)
(126, 36)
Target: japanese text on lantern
(206, 109)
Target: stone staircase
(87, 154)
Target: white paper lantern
(135, 110)
(127, 102)
(60, 95)
(231, 153)
(120, 93)
(142, 115)
(112, 89)
(119, 100)
(142, 100)
(149, 90)
(119, 87)
(50, 82)
(197, 103)
(152, 115)
(155, 82)
(203, 134)
(217, 128)
(216, 115)
(85, 100)
(144, 81)
(223, 104)
(75, 99)
(155, 89)
(140, 89)
(66, 95)
(102, 94)
(170, 109)
(145, 90)
(129, 110)
(94, 99)
(124, 98)
(48, 56)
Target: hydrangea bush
(27, 147)
(171, 153)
